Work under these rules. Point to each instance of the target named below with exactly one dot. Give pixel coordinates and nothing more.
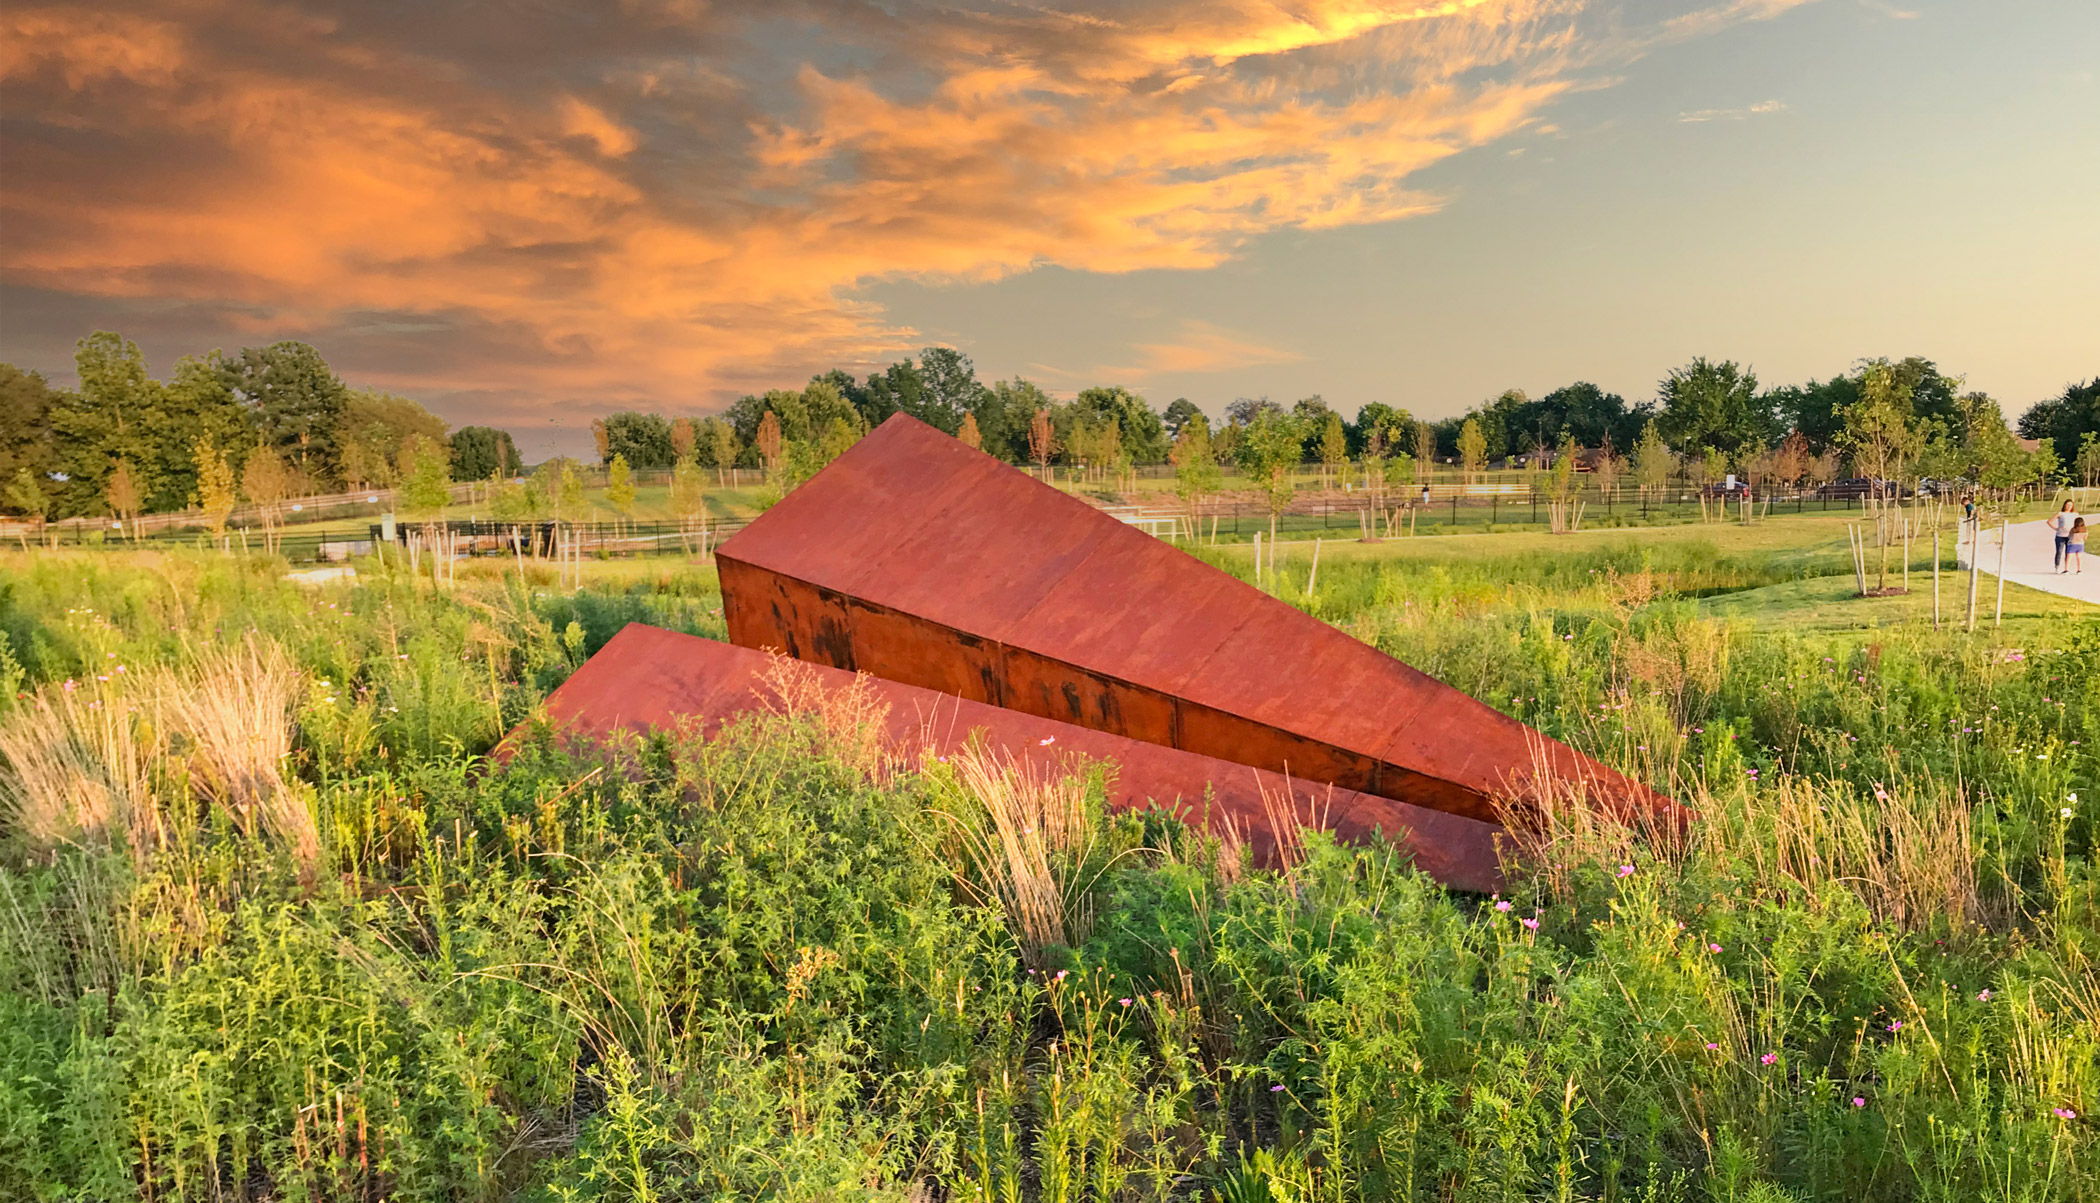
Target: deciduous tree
(266, 482)
(426, 478)
(122, 493)
(1196, 472)
(373, 428)
(1333, 447)
(721, 447)
(643, 440)
(216, 492)
(484, 451)
(1472, 448)
(619, 486)
(1713, 405)
(111, 417)
(768, 441)
(1178, 413)
(1270, 449)
(297, 402)
(25, 422)
(689, 497)
(26, 499)
(1652, 461)
(1140, 435)
(1042, 440)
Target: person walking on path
(2060, 525)
(2074, 549)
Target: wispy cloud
(1202, 347)
(668, 201)
(1759, 109)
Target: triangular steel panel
(646, 678)
(919, 560)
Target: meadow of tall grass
(274, 924)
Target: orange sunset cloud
(662, 202)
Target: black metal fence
(1451, 509)
(1456, 509)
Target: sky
(529, 214)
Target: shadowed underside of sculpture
(646, 678)
(919, 560)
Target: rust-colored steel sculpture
(647, 678)
(919, 560)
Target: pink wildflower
(1502, 905)
(1768, 1058)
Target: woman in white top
(2060, 524)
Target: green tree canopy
(1817, 409)
(196, 401)
(1270, 449)
(1244, 410)
(1714, 405)
(373, 428)
(619, 485)
(25, 496)
(480, 452)
(1472, 446)
(643, 440)
(803, 416)
(2064, 419)
(1178, 413)
(426, 474)
(950, 390)
(1004, 413)
(1585, 413)
(1196, 472)
(296, 399)
(1381, 429)
(1879, 434)
(112, 416)
(25, 422)
(1143, 437)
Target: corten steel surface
(646, 678)
(916, 559)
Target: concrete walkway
(2027, 551)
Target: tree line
(276, 421)
(262, 423)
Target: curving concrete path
(2028, 547)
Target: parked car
(1722, 488)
